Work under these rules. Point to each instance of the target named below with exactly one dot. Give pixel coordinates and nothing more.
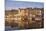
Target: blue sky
(20, 4)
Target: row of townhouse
(31, 16)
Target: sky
(22, 4)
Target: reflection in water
(11, 28)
